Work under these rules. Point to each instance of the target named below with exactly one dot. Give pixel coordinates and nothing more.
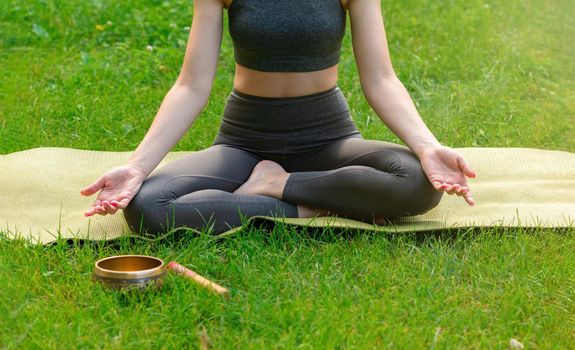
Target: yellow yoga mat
(40, 194)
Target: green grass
(489, 74)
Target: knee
(421, 194)
(142, 214)
(428, 199)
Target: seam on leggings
(239, 202)
(372, 169)
(251, 153)
(371, 152)
(354, 135)
(199, 176)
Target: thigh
(220, 167)
(381, 155)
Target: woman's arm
(191, 91)
(445, 168)
(383, 90)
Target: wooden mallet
(187, 273)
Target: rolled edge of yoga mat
(187, 273)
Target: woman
(287, 145)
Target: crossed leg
(197, 191)
(356, 178)
(361, 179)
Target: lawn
(91, 75)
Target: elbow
(200, 89)
(373, 86)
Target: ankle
(279, 185)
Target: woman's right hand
(118, 186)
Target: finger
(123, 203)
(469, 199)
(93, 210)
(113, 208)
(464, 166)
(94, 187)
(108, 207)
(445, 187)
(457, 189)
(462, 191)
(437, 185)
(90, 212)
(451, 191)
(100, 210)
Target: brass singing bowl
(130, 272)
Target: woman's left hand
(447, 170)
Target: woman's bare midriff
(283, 84)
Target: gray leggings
(314, 138)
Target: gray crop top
(286, 35)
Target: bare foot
(307, 212)
(268, 178)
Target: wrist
(424, 146)
(138, 167)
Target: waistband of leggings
(289, 99)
